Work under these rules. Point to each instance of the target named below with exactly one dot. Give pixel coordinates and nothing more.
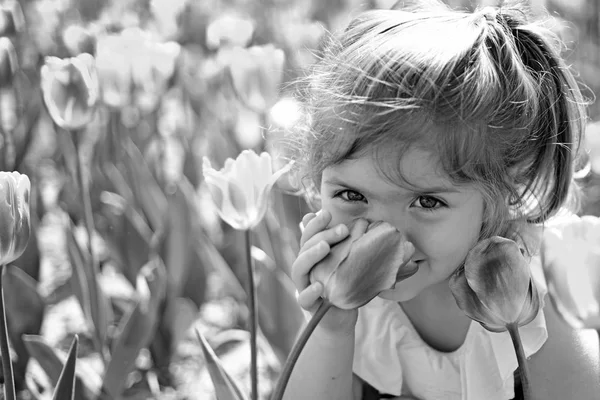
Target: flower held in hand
(370, 260)
(240, 190)
(571, 261)
(14, 215)
(495, 287)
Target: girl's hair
(487, 92)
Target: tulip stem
(7, 371)
(253, 316)
(9, 150)
(513, 330)
(88, 219)
(290, 362)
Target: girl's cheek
(340, 215)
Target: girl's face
(442, 220)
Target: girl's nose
(397, 219)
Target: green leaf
(279, 314)
(225, 386)
(137, 329)
(95, 305)
(177, 246)
(65, 388)
(128, 235)
(180, 314)
(146, 190)
(24, 314)
(52, 364)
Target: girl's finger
(330, 236)
(305, 262)
(316, 224)
(305, 220)
(309, 296)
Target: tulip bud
(12, 20)
(571, 262)
(373, 258)
(8, 62)
(114, 70)
(256, 73)
(241, 189)
(70, 89)
(14, 215)
(151, 71)
(78, 40)
(229, 30)
(495, 286)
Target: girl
(452, 127)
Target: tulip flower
(167, 15)
(134, 68)
(8, 62)
(571, 262)
(70, 90)
(14, 235)
(371, 259)
(256, 73)
(240, 190)
(14, 215)
(8, 101)
(114, 70)
(78, 39)
(12, 20)
(495, 288)
(229, 30)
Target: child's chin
(398, 294)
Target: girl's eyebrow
(411, 187)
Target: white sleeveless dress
(391, 356)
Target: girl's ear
(420, 5)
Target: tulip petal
(468, 301)
(499, 275)
(7, 217)
(219, 190)
(264, 170)
(22, 214)
(326, 268)
(371, 267)
(533, 304)
(364, 264)
(244, 174)
(262, 201)
(14, 215)
(239, 200)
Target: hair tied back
(489, 13)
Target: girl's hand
(315, 243)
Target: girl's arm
(324, 369)
(567, 365)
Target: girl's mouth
(408, 270)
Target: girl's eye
(350, 196)
(428, 202)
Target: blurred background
(179, 80)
